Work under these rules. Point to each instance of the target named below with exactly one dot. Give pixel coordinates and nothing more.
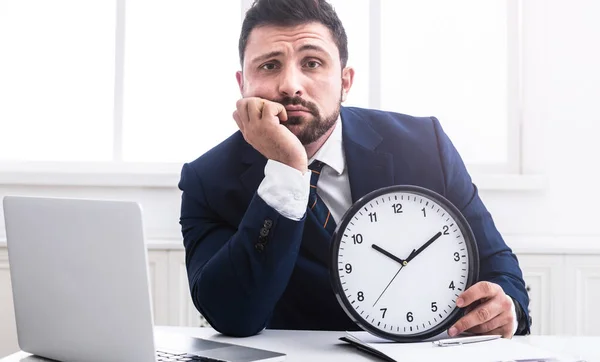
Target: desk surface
(323, 346)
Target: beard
(309, 129)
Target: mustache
(295, 101)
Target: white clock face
(402, 262)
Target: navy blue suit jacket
(241, 288)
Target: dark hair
(292, 13)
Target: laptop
(81, 290)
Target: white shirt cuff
(514, 313)
(285, 189)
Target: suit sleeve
(498, 264)
(236, 273)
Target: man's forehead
(265, 37)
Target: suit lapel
(368, 169)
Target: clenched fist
(260, 121)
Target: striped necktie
(315, 202)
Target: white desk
(316, 346)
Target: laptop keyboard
(162, 356)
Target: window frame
(507, 175)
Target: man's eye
(269, 66)
(312, 64)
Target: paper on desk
(492, 351)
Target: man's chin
(298, 120)
(296, 129)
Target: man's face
(300, 68)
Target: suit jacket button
(268, 223)
(260, 247)
(264, 232)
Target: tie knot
(316, 166)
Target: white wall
(561, 91)
(561, 128)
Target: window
(179, 85)
(56, 80)
(162, 88)
(450, 60)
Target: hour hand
(389, 255)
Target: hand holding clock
(489, 311)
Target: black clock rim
(472, 251)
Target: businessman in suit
(256, 245)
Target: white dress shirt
(286, 189)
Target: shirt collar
(332, 151)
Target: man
(256, 253)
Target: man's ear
(347, 80)
(239, 76)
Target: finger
(237, 119)
(273, 109)
(503, 320)
(473, 305)
(255, 108)
(477, 316)
(478, 291)
(242, 110)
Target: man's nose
(290, 83)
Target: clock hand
(388, 254)
(390, 283)
(424, 246)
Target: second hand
(390, 283)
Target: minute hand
(424, 246)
